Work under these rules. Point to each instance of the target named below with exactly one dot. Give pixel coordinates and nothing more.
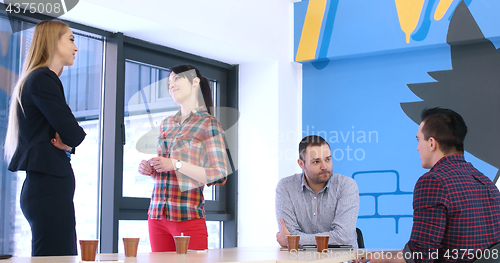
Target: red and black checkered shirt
(456, 213)
(199, 141)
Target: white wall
(257, 35)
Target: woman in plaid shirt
(191, 154)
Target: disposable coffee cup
(181, 244)
(292, 242)
(130, 246)
(322, 243)
(88, 249)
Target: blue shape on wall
(325, 38)
(425, 25)
(377, 196)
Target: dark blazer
(44, 112)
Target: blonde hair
(42, 49)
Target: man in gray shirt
(317, 202)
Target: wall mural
(410, 12)
(471, 88)
(368, 71)
(414, 20)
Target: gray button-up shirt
(333, 211)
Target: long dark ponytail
(190, 72)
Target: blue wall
(352, 96)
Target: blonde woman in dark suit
(41, 134)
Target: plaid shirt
(456, 212)
(199, 141)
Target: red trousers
(162, 232)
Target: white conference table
(226, 255)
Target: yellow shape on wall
(310, 31)
(441, 9)
(409, 14)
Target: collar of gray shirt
(331, 182)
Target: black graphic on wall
(471, 88)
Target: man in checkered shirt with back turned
(456, 209)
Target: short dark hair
(446, 126)
(311, 140)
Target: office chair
(361, 243)
(488, 257)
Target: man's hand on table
(281, 236)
